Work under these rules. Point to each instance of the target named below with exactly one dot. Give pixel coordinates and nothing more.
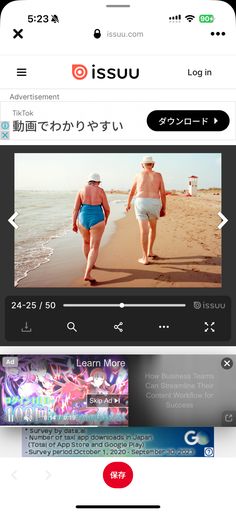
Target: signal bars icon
(175, 18)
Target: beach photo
(117, 220)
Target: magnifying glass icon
(71, 326)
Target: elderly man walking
(150, 203)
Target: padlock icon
(97, 33)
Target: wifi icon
(190, 17)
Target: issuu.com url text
(125, 34)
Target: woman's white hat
(147, 160)
(94, 177)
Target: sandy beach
(188, 246)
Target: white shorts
(147, 208)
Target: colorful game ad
(64, 390)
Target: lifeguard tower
(192, 185)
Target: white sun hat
(94, 177)
(148, 160)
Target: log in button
(188, 120)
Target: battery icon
(206, 18)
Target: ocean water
(45, 216)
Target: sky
(70, 171)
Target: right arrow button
(224, 220)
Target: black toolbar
(118, 321)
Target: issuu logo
(79, 71)
(193, 438)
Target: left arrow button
(11, 220)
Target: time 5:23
(39, 18)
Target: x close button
(17, 33)
(118, 474)
(227, 363)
